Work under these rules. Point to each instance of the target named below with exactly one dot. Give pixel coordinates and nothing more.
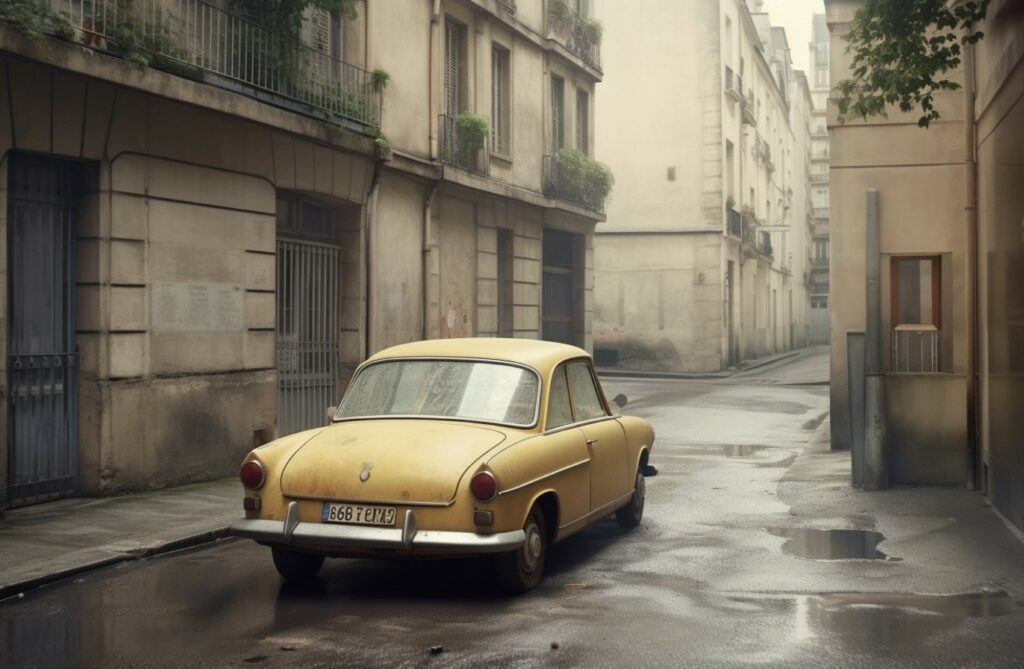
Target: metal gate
(307, 333)
(42, 365)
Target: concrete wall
(921, 179)
(926, 446)
(1000, 118)
(183, 201)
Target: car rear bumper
(340, 539)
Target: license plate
(356, 514)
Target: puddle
(969, 605)
(830, 544)
(740, 450)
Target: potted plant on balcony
(470, 133)
(559, 18)
(581, 179)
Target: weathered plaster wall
(921, 179)
(183, 199)
(1000, 116)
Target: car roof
(541, 355)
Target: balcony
(820, 213)
(197, 40)
(460, 148)
(764, 246)
(748, 109)
(733, 223)
(507, 5)
(819, 263)
(733, 85)
(565, 181)
(580, 35)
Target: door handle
(591, 442)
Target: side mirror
(620, 400)
(331, 412)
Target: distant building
(701, 262)
(201, 250)
(952, 268)
(819, 163)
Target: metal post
(876, 475)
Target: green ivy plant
(583, 179)
(902, 52)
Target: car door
(606, 440)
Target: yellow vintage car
(451, 447)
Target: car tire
(630, 515)
(294, 566)
(522, 569)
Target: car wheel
(295, 566)
(522, 569)
(630, 515)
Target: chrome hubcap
(532, 548)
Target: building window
(583, 8)
(557, 113)
(454, 50)
(500, 90)
(583, 121)
(916, 314)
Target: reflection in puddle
(830, 544)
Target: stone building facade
(201, 250)
(701, 262)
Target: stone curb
(754, 364)
(12, 590)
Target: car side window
(586, 399)
(559, 406)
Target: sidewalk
(745, 366)
(47, 542)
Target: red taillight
(483, 486)
(252, 474)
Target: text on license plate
(356, 514)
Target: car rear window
(463, 389)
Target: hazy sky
(795, 17)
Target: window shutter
(499, 100)
(557, 114)
(451, 68)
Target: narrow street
(753, 551)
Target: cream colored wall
(652, 114)
(921, 182)
(1000, 118)
(400, 45)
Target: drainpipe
(434, 56)
(427, 201)
(973, 326)
(371, 212)
(876, 476)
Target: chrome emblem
(364, 474)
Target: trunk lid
(404, 460)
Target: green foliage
(902, 52)
(582, 179)
(471, 130)
(33, 20)
(379, 80)
(730, 202)
(593, 30)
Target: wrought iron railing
(561, 183)
(733, 223)
(916, 349)
(748, 109)
(460, 150)
(764, 246)
(580, 35)
(195, 38)
(750, 228)
(819, 263)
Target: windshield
(464, 389)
